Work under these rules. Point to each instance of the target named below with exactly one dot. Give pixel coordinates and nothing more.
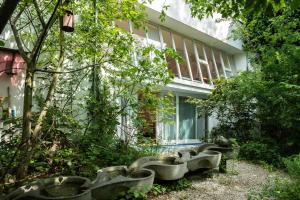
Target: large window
(167, 42)
(192, 60)
(184, 126)
(200, 62)
(180, 50)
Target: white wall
(208, 30)
(16, 87)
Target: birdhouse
(68, 21)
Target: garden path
(242, 177)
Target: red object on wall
(11, 62)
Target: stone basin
(206, 159)
(62, 188)
(228, 152)
(111, 181)
(166, 168)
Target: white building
(208, 54)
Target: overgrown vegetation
(73, 126)
(260, 107)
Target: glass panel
(201, 127)
(203, 67)
(153, 35)
(180, 50)
(205, 74)
(140, 32)
(168, 43)
(219, 63)
(192, 59)
(212, 68)
(200, 51)
(123, 24)
(225, 59)
(169, 129)
(232, 63)
(187, 120)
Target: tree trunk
(30, 140)
(27, 118)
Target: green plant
(179, 185)
(131, 194)
(282, 188)
(2, 43)
(257, 151)
(158, 190)
(293, 166)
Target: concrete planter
(228, 152)
(111, 181)
(207, 159)
(167, 168)
(59, 188)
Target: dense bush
(257, 151)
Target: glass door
(187, 121)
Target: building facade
(208, 54)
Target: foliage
(258, 151)
(165, 187)
(238, 8)
(131, 194)
(103, 69)
(2, 43)
(282, 188)
(262, 104)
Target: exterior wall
(215, 35)
(13, 82)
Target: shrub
(257, 151)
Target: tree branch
(19, 43)
(39, 13)
(41, 38)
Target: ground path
(235, 185)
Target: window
(140, 32)
(169, 129)
(212, 68)
(227, 64)
(123, 25)
(187, 127)
(187, 120)
(180, 50)
(203, 64)
(192, 59)
(153, 36)
(218, 55)
(168, 43)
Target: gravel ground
(235, 185)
